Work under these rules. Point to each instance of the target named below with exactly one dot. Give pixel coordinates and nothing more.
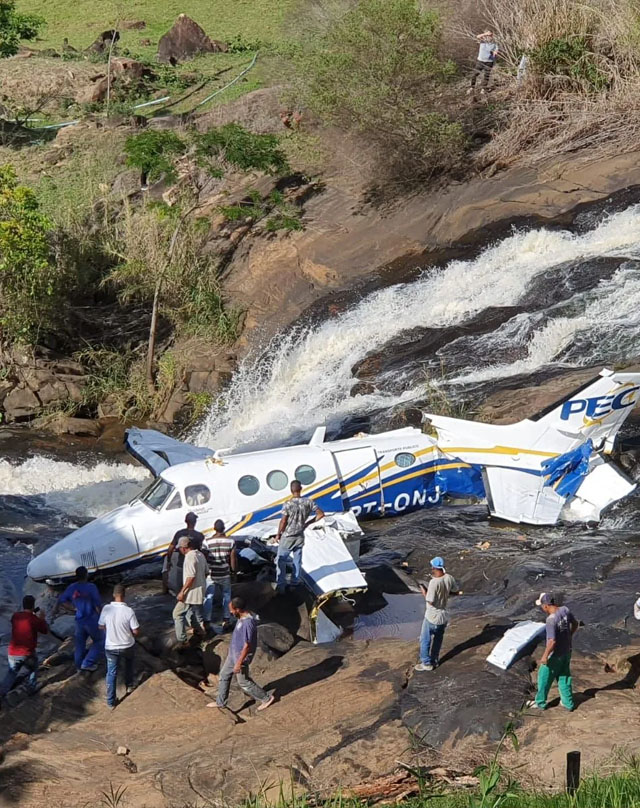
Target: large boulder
(102, 43)
(185, 40)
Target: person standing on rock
(436, 617)
(121, 627)
(188, 609)
(190, 532)
(290, 537)
(487, 55)
(555, 662)
(84, 598)
(25, 627)
(242, 649)
(223, 560)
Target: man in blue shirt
(84, 598)
(244, 642)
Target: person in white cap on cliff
(436, 617)
(555, 662)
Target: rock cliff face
(346, 244)
(33, 381)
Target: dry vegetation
(581, 88)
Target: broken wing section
(157, 451)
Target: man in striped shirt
(222, 560)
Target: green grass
(617, 790)
(81, 21)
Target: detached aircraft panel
(521, 497)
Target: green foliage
(570, 56)
(107, 375)
(235, 146)
(238, 44)
(153, 152)
(282, 215)
(376, 68)
(190, 291)
(494, 789)
(15, 26)
(199, 403)
(31, 285)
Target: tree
(31, 285)
(15, 26)
(162, 249)
(153, 152)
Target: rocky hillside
(256, 241)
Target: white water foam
(614, 310)
(73, 489)
(304, 378)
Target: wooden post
(573, 772)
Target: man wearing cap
(188, 609)
(436, 617)
(555, 662)
(189, 531)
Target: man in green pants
(555, 662)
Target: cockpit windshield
(156, 494)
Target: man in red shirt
(25, 627)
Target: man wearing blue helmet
(436, 618)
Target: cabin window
(175, 503)
(306, 474)
(197, 495)
(157, 494)
(277, 480)
(248, 485)
(405, 459)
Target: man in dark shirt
(223, 560)
(84, 599)
(555, 662)
(191, 533)
(25, 627)
(244, 642)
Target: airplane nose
(39, 568)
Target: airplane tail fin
(597, 410)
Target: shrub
(376, 68)
(189, 290)
(15, 26)
(31, 285)
(572, 57)
(233, 145)
(153, 152)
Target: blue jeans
(16, 663)
(218, 590)
(283, 558)
(88, 629)
(431, 638)
(113, 663)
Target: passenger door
(359, 479)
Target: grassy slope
(82, 20)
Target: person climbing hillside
(487, 55)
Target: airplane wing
(157, 451)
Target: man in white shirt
(487, 55)
(121, 628)
(188, 609)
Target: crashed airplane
(548, 467)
